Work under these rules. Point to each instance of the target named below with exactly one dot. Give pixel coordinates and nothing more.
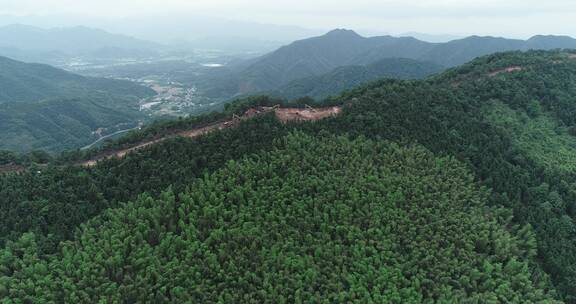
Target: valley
(174, 99)
(172, 76)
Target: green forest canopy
(370, 222)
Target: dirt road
(282, 114)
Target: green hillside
(453, 189)
(339, 48)
(348, 77)
(42, 107)
(371, 222)
(67, 124)
(27, 82)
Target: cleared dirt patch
(506, 70)
(572, 56)
(291, 114)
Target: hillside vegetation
(371, 222)
(447, 189)
(348, 77)
(42, 107)
(57, 125)
(28, 82)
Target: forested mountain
(348, 77)
(458, 188)
(42, 45)
(320, 55)
(460, 51)
(42, 107)
(291, 225)
(310, 57)
(550, 42)
(63, 124)
(29, 82)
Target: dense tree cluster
(35, 157)
(372, 222)
(52, 201)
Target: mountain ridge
(63, 39)
(35, 44)
(340, 47)
(344, 78)
(31, 82)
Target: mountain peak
(550, 37)
(342, 33)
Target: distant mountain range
(35, 44)
(172, 27)
(437, 38)
(42, 107)
(338, 48)
(460, 51)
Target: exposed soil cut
(309, 114)
(506, 70)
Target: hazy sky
(512, 18)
